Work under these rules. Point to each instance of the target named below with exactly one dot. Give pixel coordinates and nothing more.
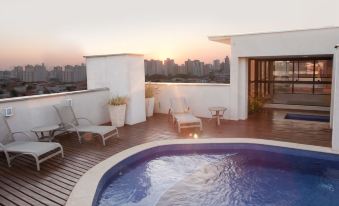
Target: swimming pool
(222, 174)
(227, 172)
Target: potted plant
(117, 110)
(255, 104)
(149, 101)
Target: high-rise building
(182, 69)
(74, 73)
(189, 67)
(29, 73)
(153, 67)
(40, 73)
(207, 69)
(18, 73)
(216, 65)
(170, 67)
(227, 65)
(5, 75)
(198, 68)
(57, 73)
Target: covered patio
(23, 185)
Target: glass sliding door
(298, 81)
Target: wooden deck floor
(23, 185)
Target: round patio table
(45, 133)
(217, 113)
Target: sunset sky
(61, 32)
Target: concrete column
(335, 104)
(234, 86)
(124, 75)
(243, 89)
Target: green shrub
(255, 104)
(118, 100)
(149, 90)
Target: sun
(164, 55)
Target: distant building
(189, 67)
(182, 69)
(18, 73)
(29, 73)
(56, 73)
(170, 67)
(5, 75)
(75, 73)
(207, 69)
(37, 73)
(227, 65)
(216, 65)
(198, 68)
(153, 67)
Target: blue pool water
(308, 117)
(233, 174)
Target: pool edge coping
(84, 191)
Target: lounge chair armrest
(87, 120)
(69, 124)
(2, 147)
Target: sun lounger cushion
(38, 148)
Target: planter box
(117, 114)
(149, 103)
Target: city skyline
(36, 33)
(39, 73)
(191, 71)
(51, 66)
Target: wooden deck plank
(39, 194)
(7, 199)
(50, 188)
(19, 193)
(23, 185)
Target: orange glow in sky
(61, 32)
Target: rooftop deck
(23, 185)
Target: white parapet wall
(335, 105)
(124, 75)
(33, 111)
(199, 96)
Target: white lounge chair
(70, 123)
(182, 116)
(41, 151)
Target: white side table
(217, 113)
(45, 133)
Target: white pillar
(234, 88)
(124, 75)
(243, 89)
(335, 105)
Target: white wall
(335, 104)
(198, 96)
(124, 75)
(38, 110)
(304, 42)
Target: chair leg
(8, 158)
(103, 140)
(62, 152)
(79, 137)
(116, 129)
(37, 162)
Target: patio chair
(181, 115)
(70, 123)
(41, 151)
